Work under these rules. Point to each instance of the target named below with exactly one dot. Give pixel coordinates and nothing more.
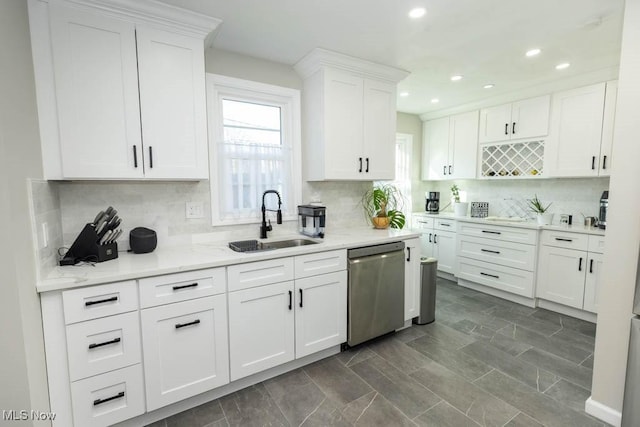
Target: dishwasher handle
(375, 250)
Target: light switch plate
(194, 210)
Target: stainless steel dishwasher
(376, 291)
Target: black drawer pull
(100, 301)
(178, 287)
(430, 235)
(108, 399)
(491, 232)
(506, 128)
(604, 162)
(444, 170)
(290, 300)
(593, 162)
(367, 169)
(590, 266)
(408, 254)
(445, 225)
(135, 157)
(513, 128)
(360, 160)
(113, 341)
(490, 251)
(490, 275)
(580, 264)
(182, 325)
(300, 297)
(449, 169)
(150, 157)
(435, 238)
(560, 239)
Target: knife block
(87, 247)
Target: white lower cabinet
(444, 244)
(261, 328)
(185, 349)
(438, 240)
(592, 282)
(412, 279)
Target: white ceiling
(484, 40)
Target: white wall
(623, 232)
(412, 125)
(22, 368)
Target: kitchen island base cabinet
(185, 349)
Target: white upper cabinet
(450, 147)
(528, 118)
(349, 117)
(120, 89)
(573, 148)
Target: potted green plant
(536, 206)
(459, 208)
(382, 206)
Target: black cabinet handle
(491, 232)
(445, 225)
(590, 266)
(135, 156)
(444, 170)
(435, 238)
(113, 341)
(490, 275)
(580, 264)
(290, 300)
(300, 297)
(560, 239)
(100, 301)
(367, 169)
(593, 162)
(490, 251)
(360, 160)
(151, 157)
(108, 399)
(506, 128)
(513, 128)
(182, 325)
(449, 169)
(430, 234)
(604, 162)
(178, 287)
(408, 254)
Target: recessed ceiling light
(404, 94)
(562, 66)
(435, 100)
(456, 78)
(533, 52)
(418, 12)
(489, 86)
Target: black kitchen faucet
(264, 227)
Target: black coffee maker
(604, 206)
(432, 202)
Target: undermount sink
(256, 246)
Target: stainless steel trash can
(428, 268)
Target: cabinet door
(606, 147)
(435, 149)
(261, 328)
(593, 282)
(94, 61)
(343, 110)
(561, 274)
(530, 117)
(426, 244)
(495, 123)
(173, 105)
(379, 132)
(463, 145)
(576, 131)
(445, 251)
(321, 312)
(412, 279)
(185, 349)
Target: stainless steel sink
(256, 246)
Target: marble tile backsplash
(45, 208)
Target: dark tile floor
(484, 361)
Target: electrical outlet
(45, 235)
(194, 210)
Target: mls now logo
(24, 415)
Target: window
(254, 145)
(402, 181)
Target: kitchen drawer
(596, 244)
(515, 255)
(421, 222)
(320, 263)
(103, 345)
(445, 224)
(245, 276)
(99, 301)
(565, 239)
(498, 232)
(513, 280)
(109, 398)
(181, 286)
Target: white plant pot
(544, 218)
(460, 208)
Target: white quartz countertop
(518, 223)
(174, 259)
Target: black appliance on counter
(311, 220)
(604, 207)
(142, 240)
(433, 202)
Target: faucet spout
(264, 227)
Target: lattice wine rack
(518, 159)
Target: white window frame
(220, 87)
